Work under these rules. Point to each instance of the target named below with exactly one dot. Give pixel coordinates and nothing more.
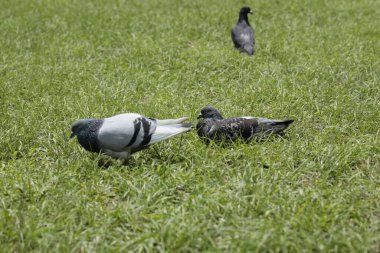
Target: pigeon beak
(200, 116)
(72, 135)
(251, 12)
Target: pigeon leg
(125, 162)
(104, 163)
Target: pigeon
(122, 135)
(242, 33)
(214, 127)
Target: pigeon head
(245, 11)
(80, 126)
(210, 112)
(243, 14)
(86, 130)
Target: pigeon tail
(164, 122)
(274, 126)
(164, 132)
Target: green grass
(317, 190)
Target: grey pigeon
(242, 33)
(214, 127)
(122, 135)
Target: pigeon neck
(243, 17)
(216, 116)
(88, 137)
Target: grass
(317, 190)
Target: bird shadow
(105, 162)
(255, 139)
(269, 137)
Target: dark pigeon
(214, 127)
(122, 135)
(242, 33)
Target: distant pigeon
(214, 127)
(242, 33)
(122, 135)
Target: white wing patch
(117, 131)
(246, 37)
(213, 128)
(259, 119)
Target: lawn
(315, 190)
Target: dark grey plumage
(87, 131)
(242, 33)
(214, 127)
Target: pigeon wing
(233, 128)
(235, 36)
(125, 131)
(239, 128)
